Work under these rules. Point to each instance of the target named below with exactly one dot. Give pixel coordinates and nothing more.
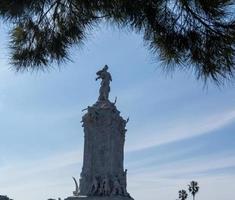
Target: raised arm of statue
(97, 78)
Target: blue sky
(178, 130)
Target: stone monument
(103, 176)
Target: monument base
(99, 198)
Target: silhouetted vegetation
(196, 34)
(183, 195)
(193, 188)
(4, 197)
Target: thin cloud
(187, 167)
(41, 179)
(217, 187)
(180, 131)
(24, 170)
(165, 181)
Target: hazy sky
(178, 130)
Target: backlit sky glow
(178, 130)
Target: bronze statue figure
(105, 83)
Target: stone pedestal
(99, 198)
(102, 172)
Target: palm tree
(196, 35)
(183, 195)
(193, 188)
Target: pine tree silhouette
(196, 34)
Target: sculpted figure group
(108, 187)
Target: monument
(103, 176)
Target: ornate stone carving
(105, 186)
(123, 183)
(117, 188)
(94, 187)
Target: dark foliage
(183, 195)
(195, 34)
(4, 197)
(193, 188)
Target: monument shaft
(103, 150)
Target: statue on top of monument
(105, 83)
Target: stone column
(104, 131)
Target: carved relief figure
(106, 186)
(123, 183)
(123, 125)
(117, 188)
(94, 186)
(105, 83)
(93, 115)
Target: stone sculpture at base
(103, 176)
(99, 198)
